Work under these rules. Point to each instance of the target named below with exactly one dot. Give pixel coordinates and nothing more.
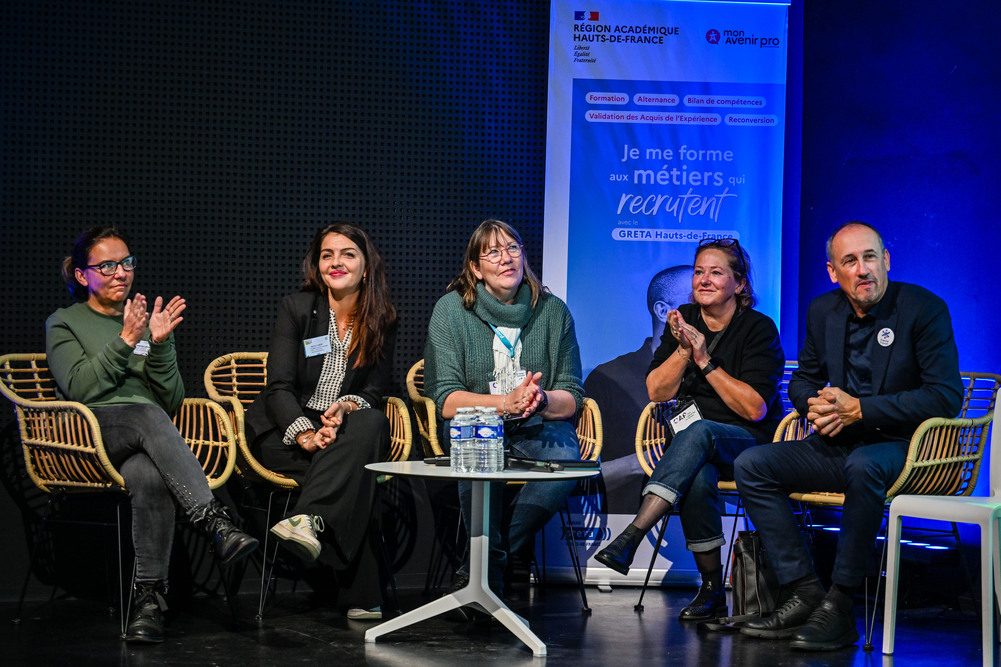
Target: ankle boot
(619, 554)
(231, 543)
(710, 602)
(146, 615)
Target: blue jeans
(535, 502)
(766, 475)
(158, 467)
(687, 474)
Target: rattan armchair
(943, 457)
(62, 444)
(233, 381)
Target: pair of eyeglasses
(108, 268)
(730, 244)
(719, 243)
(494, 254)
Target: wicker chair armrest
(247, 462)
(792, 427)
(651, 437)
(427, 424)
(207, 429)
(943, 458)
(62, 446)
(401, 437)
(590, 433)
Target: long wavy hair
(374, 312)
(465, 282)
(78, 257)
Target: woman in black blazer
(320, 419)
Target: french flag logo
(585, 16)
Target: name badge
(142, 348)
(314, 347)
(685, 417)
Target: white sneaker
(299, 533)
(373, 614)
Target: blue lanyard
(503, 339)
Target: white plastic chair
(984, 511)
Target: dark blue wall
(900, 129)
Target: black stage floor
(81, 632)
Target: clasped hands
(524, 399)
(161, 322)
(332, 418)
(831, 410)
(691, 342)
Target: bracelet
(504, 412)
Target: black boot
(231, 543)
(146, 616)
(710, 602)
(619, 554)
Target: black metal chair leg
(578, 571)
(870, 621)
(268, 562)
(638, 607)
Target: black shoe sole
(611, 564)
(847, 639)
(142, 639)
(718, 612)
(761, 633)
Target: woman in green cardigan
(499, 339)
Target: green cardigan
(94, 366)
(459, 355)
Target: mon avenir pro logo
(741, 38)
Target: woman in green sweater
(108, 352)
(499, 339)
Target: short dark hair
(665, 280)
(851, 223)
(77, 259)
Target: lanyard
(503, 339)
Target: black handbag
(755, 588)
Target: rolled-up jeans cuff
(662, 491)
(699, 546)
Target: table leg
(477, 592)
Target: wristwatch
(544, 403)
(708, 368)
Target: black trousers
(336, 486)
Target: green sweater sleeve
(162, 375)
(82, 377)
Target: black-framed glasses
(494, 254)
(108, 268)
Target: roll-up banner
(665, 127)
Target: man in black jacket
(879, 359)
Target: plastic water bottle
(496, 439)
(460, 433)
(489, 441)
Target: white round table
(477, 592)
